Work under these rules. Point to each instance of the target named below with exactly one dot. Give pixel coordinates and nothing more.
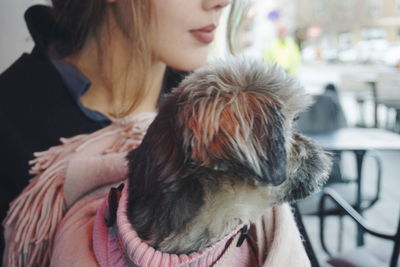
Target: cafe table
(359, 141)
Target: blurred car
(392, 55)
(366, 51)
(348, 55)
(308, 54)
(375, 50)
(314, 53)
(330, 55)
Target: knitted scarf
(32, 219)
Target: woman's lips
(204, 35)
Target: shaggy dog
(222, 150)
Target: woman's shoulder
(35, 102)
(27, 72)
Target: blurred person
(284, 51)
(94, 62)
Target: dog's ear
(155, 193)
(309, 167)
(160, 155)
(241, 132)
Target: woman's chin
(189, 61)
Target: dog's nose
(278, 180)
(274, 172)
(274, 175)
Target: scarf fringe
(34, 216)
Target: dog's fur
(220, 152)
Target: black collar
(43, 29)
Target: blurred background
(347, 55)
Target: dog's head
(232, 118)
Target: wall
(15, 38)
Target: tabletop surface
(358, 139)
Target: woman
(93, 61)
(103, 61)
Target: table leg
(396, 248)
(372, 84)
(361, 119)
(359, 159)
(375, 96)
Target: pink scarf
(33, 217)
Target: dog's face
(230, 122)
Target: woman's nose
(215, 4)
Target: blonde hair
(134, 19)
(78, 20)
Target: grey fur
(222, 150)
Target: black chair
(362, 256)
(306, 240)
(324, 116)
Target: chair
(358, 85)
(362, 256)
(306, 240)
(388, 95)
(326, 115)
(348, 189)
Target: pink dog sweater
(120, 246)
